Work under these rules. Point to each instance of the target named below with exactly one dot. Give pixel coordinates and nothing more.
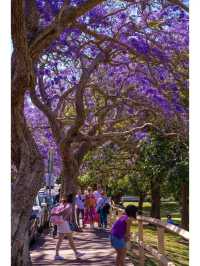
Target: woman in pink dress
(90, 216)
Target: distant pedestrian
(80, 206)
(97, 192)
(56, 202)
(57, 197)
(97, 195)
(90, 215)
(121, 233)
(103, 207)
(171, 221)
(64, 211)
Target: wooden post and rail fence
(159, 253)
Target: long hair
(70, 198)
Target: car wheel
(40, 229)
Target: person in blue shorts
(120, 233)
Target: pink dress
(90, 214)
(64, 227)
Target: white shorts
(64, 228)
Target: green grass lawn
(166, 208)
(175, 250)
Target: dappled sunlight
(94, 243)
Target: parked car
(39, 218)
(40, 210)
(48, 201)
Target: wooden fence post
(112, 216)
(161, 241)
(141, 249)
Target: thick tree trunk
(155, 199)
(70, 170)
(25, 187)
(69, 180)
(141, 201)
(185, 206)
(23, 193)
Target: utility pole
(50, 169)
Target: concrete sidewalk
(93, 242)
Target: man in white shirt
(97, 193)
(80, 205)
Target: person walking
(97, 195)
(103, 207)
(80, 206)
(90, 215)
(120, 233)
(97, 192)
(56, 202)
(64, 211)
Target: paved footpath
(94, 243)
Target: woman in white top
(64, 228)
(80, 205)
(97, 193)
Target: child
(65, 211)
(120, 233)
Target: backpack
(106, 208)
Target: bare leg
(82, 215)
(71, 242)
(59, 242)
(91, 219)
(121, 255)
(118, 258)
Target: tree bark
(155, 198)
(185, 206)
(25, 187)
(69, 181)
(141, 201)
(70, 169)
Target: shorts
(118, 243)
(64, 228)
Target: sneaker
(79, 254)
(57, 257)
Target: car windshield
(42, 199)
(49, 200)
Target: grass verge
(176, 251)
